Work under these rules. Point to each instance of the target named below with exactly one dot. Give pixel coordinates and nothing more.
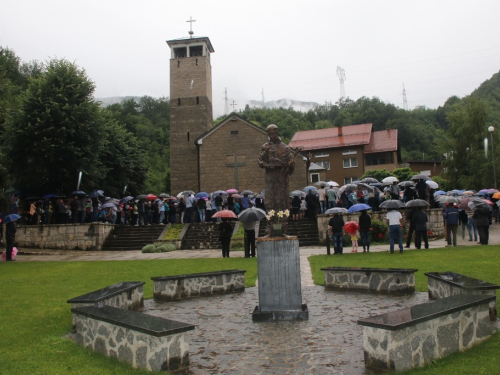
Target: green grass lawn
(35, 316)
(481, 262)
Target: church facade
(204, 157)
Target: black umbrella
(79, 193)
(406, 183)
(336, 210)
(370, 180)
(249, 192)
(126, 199)
(392, 204)
(417, 203)
(252, 214)
(96, 194)
(142, 196)
(421, 177)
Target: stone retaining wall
(419, 336)
(154, 351)
(168, 288)
(435, 223)
(377, 280)
(63, 236)
(438, 289)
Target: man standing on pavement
(451, 218)
(249, 227)
(189, 208)
(394, 219)
(336, 227)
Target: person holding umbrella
(394, 219)
(225, 233)
(336, 226)
(365, 222)
(10, 235)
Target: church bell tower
(190, 107)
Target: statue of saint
(278, 161)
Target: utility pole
(263, 98)
(405, 102)
(234, 105)
(226, 102)
(342, 79)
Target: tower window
(197, 100)
(196, 62)
(195, 51)
(234, 131)
(188, 136)
(178, 101)
(180, 52)
(178, 63)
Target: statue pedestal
(280, 293)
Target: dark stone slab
(461, 281)
(105, 293)
(267, 316)
(370, 270)
(193, 275)
(426, 311)
(151, 325)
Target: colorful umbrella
(225, 213)
(201, 194)
(351, 227)
(232, 191)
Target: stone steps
(126, 237)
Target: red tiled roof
(351, 135)
(383, 141)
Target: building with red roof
(347, 152)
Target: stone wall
(440, 289)
(168, 288)
(435, 223)
(386, 281)
(416, 345)
(63, 236)
(135, 348)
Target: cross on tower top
(190, 32)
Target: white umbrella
(332, 183)
(432, 184)
(389, 180)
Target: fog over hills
(285, 103)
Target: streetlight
(490, 129)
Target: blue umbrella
(440, 192)
(47, 196)
(201, 194)
(78, 193)
(358, 207)
(11, 217)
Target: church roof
(189, 40)
(382, 141)
(231, 117)
(352, 135)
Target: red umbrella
(225, 213)
(351, 227)
(151, 196)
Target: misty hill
(283, 103)
(116, 100)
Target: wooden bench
(414, 336)
(374, 280)
(169, 288)
(447, 284)
(143, 341)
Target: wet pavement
(227, 341)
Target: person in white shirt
(322, 201)
(394, 220)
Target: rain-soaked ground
(227, 341)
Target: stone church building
(204, 157)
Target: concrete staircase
(202, 236)
(306, 230)
(126, 237)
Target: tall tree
(59, 132)
(467, 165)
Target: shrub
(166, 247)
(237, 244)
(379, 232)
(149, 248)
(173, 232)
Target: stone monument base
(280, 294)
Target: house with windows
(347, 152)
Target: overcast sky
(288, 49)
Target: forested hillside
(51, 128)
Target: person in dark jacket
(10, 237)
(420, 224)
(451, 218)
(225, 233)
(365, 222)
(411, 226)
(311, 201)
(481, 214)
(409, 193)
(295, 208)
(336, 227)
